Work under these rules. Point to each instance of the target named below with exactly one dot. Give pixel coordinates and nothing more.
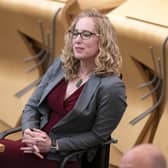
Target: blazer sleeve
(31, 115)
(111, 104)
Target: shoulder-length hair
(108, 61)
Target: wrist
(54, 145)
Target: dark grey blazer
(95, 115)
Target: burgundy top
(13, 156)
(58, 105)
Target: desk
(2, 148)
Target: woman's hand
(36, 141)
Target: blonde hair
(108, 61)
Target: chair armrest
(110, 141)
(9, 131)
(66, 158)
(69, 156)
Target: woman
(79, 101)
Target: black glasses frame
(84, 35)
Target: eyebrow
(83, 30)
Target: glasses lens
(86, 35)
(74, 34)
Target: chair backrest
(101, 159)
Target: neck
(86, 69)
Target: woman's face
(85, 40)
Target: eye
(86, 34)
(75, 33)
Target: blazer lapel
(52, 84)
(82, 101)
(87, 94)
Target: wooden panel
(126, 133)
(12, 70)
(161, 135)
(154, 11)
(139, 27)
(101, 5)
(115, 156)
(19, 23)
(2, 148)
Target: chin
(79, 56)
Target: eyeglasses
(84, 35)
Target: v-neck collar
(75, 91)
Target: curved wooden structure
(24, 32)
(142, 29)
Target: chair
(101, 159)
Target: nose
(78, 38)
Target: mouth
(78, 49)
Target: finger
(42, 133)
(33, 132)
(29, 142)
(32, 138)
(28, 131)
(28, 135)
(36, 149)
(36, 153)
(38, 130)
(39, 155)
(36, 134)
(39, 139)
(28, 149)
